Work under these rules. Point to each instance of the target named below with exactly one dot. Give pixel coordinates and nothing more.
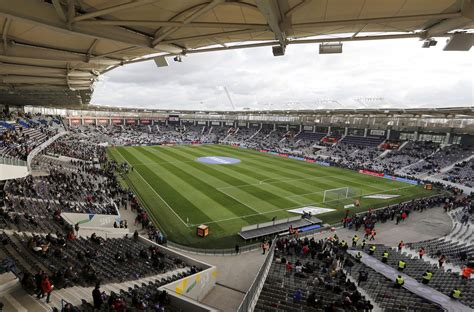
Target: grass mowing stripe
(252, 199)
(222, 201)
(161, 198)
(180, 204)
(234, 175)
(320, 185)
(298, 165)
(347, 177)
(256, 168)
(267, 196)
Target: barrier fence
(216, 252)
(12, 161)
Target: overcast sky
(391, 73)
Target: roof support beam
(174, 24)
(6, 27)
(189, 19)
(59, 10)
(115, 52)
(271, 12)
(15, 69)
(43, 14)
(274, 42)
(213, 35)
(116, 8)
(43, 80)
(465, 17)
(71, 12)
(32, 52)
(91, 49)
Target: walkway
(412, 285)
(419, 226)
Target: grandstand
(287, 208)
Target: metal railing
(12, 161)
(215, 252)
(251, 296)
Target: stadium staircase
(451, 166)
(403, 145)
(412, 284)
(253, 135)
(422, 175)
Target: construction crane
(228, 96)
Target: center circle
(218, 160)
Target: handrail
(251, 296)
(222, 252)
(41, 147)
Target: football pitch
(181, 193)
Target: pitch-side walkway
(412, 285)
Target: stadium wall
(8, 172)
(90, 220)
(194, 287)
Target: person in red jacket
(47, 287)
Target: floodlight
(429, 43)
(160, 61)
(278, 50)
(460, 42)
(177, 58)
(330, 48)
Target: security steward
(426, 278)
(372, 249)
(401, 265)
(399, 281)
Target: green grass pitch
(181, 193)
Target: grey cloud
(398, 70)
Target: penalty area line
(237, 200)
(295, 207)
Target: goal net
(338, 194)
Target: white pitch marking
(159, 196)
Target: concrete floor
(234, 277)
(420, 226)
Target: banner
(323, 163)
(173, 118)
(145, 122)
(103, 121)
(377, 132)
(117, 121)
(89, 121)
(75, 121)
(131, 121)
(399, 179)
(372, 173)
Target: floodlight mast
(230, 99)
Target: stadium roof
(54, 50)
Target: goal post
(338, 194)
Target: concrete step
(22, 301)
(8, 282)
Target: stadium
(160, 155)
